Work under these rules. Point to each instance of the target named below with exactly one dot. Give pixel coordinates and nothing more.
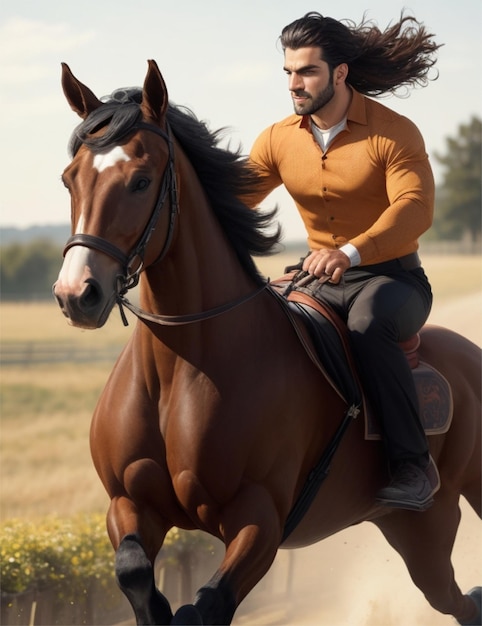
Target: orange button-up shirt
(373, 187)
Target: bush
(63, 570)
(65, 553)
(71, 554)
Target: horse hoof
(187, 615)
(476, 595)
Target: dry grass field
(44, 451)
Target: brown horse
(214, 414)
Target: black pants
(382, 305)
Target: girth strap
(317, 476)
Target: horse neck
(201, 270)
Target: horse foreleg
(425, 542)
(133, 567)
(135, 576)
(251, 530)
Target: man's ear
(340, 73)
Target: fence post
(33, 610)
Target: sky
(220, 58)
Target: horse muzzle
(86, 289)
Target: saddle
(325, 338)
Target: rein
(182, 320)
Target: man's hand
(332, 263)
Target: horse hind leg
(135, 576)
(425, 542)
(476, 595)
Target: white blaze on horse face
(80, 226)
(75, 268)
(108, 159)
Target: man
(360, 177)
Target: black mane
(224, 174)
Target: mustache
(299, 92)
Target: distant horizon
(64, 227)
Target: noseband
(129, 279)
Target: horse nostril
(59, 300)
(91, 295)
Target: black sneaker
(411, 487)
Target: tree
(27, 271)
(459, 199)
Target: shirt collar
(356, 111)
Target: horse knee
(132, 567)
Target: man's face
(310, 80)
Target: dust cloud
(355, 579)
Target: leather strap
(189, 318)
(96, 243)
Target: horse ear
(155, 100)
(80, 97)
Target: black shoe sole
(409, 506)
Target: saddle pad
(435, 403)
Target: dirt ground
(355, 578)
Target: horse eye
(141, 184)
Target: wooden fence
(48, 607)
(105, 604)
(35, 353)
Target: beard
(316, 102)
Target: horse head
(122, 185)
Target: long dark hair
(378, 61)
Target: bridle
(129, 279)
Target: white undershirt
(324, 138)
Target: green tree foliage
(27, 271)
(459, 202)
